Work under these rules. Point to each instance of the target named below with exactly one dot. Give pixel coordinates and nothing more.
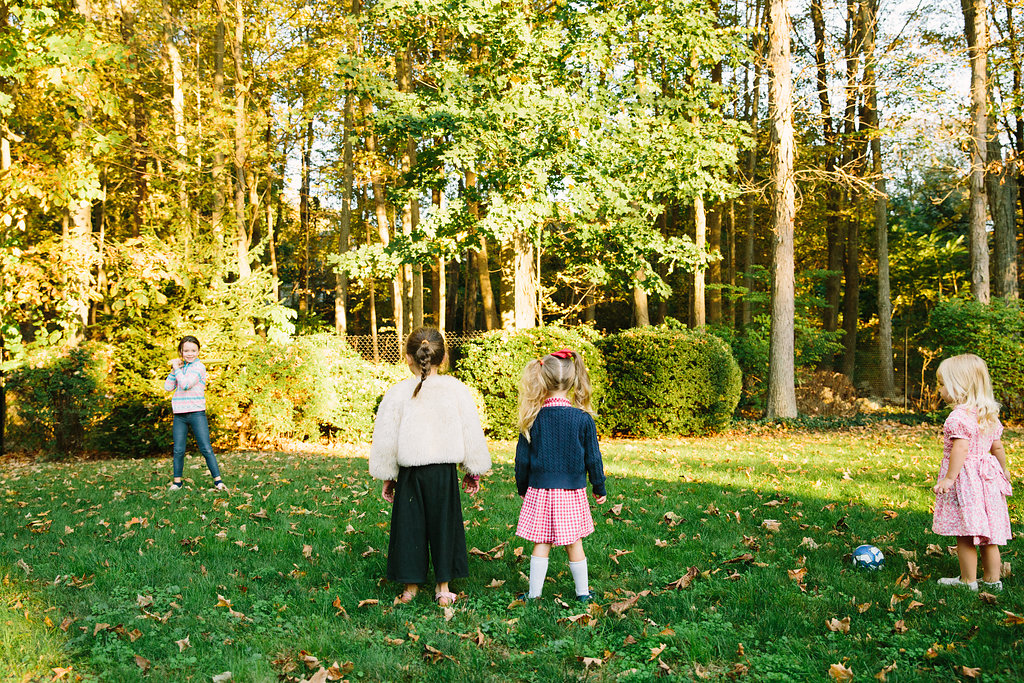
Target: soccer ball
(868, 557)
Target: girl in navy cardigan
(557, 450)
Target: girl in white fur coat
(426, 426)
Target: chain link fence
(388, 348)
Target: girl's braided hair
(426, 345)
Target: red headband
(564, 353)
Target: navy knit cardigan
(561, 452)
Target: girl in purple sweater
(557, 450)
(188, 382)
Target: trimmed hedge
(492, 364)
(669, 382)
(994, 332)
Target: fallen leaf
(797, 574)
(809, 543)
(864, 607)
(656, 651)
(144, 600)
(658, 543)
(134, 634)
(495, 583)
(393, 641)
(319, 677)
(618, 608)
(890, 514)
(183, 644)
(222, 677)
(970, 672)
(1012, 619)
(914, 604)
(309, 660)
(988, 598)
(685, 580)
(433, 655)
(934, 549)
(838, 625)
(619, 553)
(771, 525)
(307, 551)
(366, 603)
(143, 663)
(900, 627)
(838, 672)
(24, 566)
(616, 509)
(745, 557)
(700, 671)
(591, 661)
(60, 672)
(100, 627)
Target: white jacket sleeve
(478, 458)
(384, 449)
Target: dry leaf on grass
(1012, 619)
(797, 574)
(591, 661)
(143, 663)
(838, 672)
(495, 583)
(838, 625)
(988, 598)
(222, 677)
(617, 554)
(771, 525)
(656, 651)
(367, 603)
(685, 580)
(183, 644)
(970, 672)
(900, 627)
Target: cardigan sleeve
(477, 458)
(592, 456)
(523, 453)
(384, 448)
(171, 383)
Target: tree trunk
(853, 160)
(976, 30)
(304, 218)
(242, 236)
(746, 314)
(469, 311)
(1001, 188)
(714, 295)
(873, 127)
(781, 380)
(383, 226)
(700, 240)
(217, 171)
(641, 312)
(348, 181)
(525, 281)
(482, 259)
(833, 234)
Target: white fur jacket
(440, 425)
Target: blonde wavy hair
(968, 383)
(552, 373)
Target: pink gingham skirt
(555, 516)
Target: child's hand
(176, 363)
(388, 492)
(943, 485)
(600, 500)
(470, 484)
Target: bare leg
(991, 563)
(412, 589)
(968, 556)
(575, 551)
(541, 549)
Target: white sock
(580, 576)
(538, 572)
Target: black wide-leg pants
(426, 524)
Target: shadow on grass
(291, 561)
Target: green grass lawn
(107, 576)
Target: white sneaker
(955, 581)
(992, 585)
(221, 486)
(175, 487)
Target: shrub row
(101, 398)
(647, 381)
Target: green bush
(56, 396)
(669, 382)
(314, 386)
(135, 427)
(493, 363)
(995, 332)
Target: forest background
(811, 180)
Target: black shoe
(584, 598)
(525, 597)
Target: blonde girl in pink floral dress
(970, 495)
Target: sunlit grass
(276, 576)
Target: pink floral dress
(976, 504)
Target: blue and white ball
(868, 557)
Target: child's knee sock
(580, 576)
(538, 571)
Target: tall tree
(853, 158)
(881, 204)
(781, 372)
(976, 30)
